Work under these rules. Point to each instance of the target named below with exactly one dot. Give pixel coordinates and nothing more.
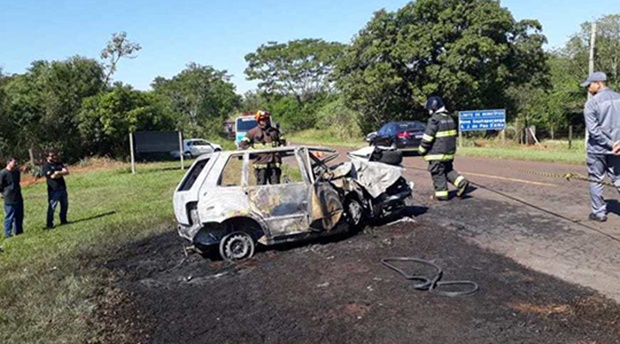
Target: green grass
(324, 138)
(547, 151)
(49, 280)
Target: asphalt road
(538, 220)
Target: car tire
(330, 204)
(354, 214)
(237, 246)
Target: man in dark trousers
(438, 147)
(56, 189)
(13, 200)
(602, 117)
(266, 165)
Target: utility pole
(591, 64)
(592, 43)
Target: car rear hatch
(186, 194)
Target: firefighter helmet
(260, 115)
(434, 103)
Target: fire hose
(565, 176)
(568, 176)
(432, 283)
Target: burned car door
(283, 205)
(326, 206)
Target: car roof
(267, 150)
(407, 122)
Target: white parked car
(196, 147)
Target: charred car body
(218, 204)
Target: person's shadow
(93, 217)
(613, 206)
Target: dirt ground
(542, 278)
(338, 292)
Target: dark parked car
(404, 136)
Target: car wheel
(237, 246)
(354, 213)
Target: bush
(336, 118)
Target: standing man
(438, 147)
(266, 165)
(56, 189)
(602, 117)
(13, 200)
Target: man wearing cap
(602, 117)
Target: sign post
(131, 149)
(181, 149)
(477, 120)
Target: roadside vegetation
(53, 282)
(547, 150)
(340, 91)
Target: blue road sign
(482, 120)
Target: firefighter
(438, 147)
(266, 165)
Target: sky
(217, 32)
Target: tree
(201, 98)
(7, 126)
(106, 119)
(253, 101)
(44, 102)
(118, 47)
(336, 119)
(468, 51)
(566, 97)
(301, 68)
(607, 52)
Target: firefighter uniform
(266, 165)
(438, 147)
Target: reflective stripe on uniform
(441, 193)
(439, 157)
(447, 133)
(422, 150)
(458, 180)
(427, 138)
(269, 165)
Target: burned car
(218, 203)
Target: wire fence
(530, 135)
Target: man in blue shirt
(13, 200)
(602, 117)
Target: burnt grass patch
(337, 291)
